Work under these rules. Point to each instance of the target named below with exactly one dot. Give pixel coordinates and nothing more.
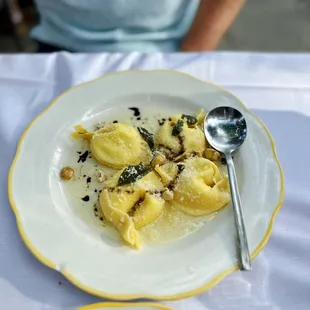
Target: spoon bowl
(225, 129)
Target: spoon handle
(242, 243)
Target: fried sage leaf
(132, 174)
(177, 129)
(191, 120)
(148, 137)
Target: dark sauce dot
(138, 118)
(96, 210)
(79, 152)
(83, 157)
(86, 198)
(88, 180)
(136, 111)
(223, 161)
(95, 191)
(84, 176)
(114, 122)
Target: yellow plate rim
(122, 305)
(103, 294)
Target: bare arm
(212, 20)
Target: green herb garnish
(133, 173)
(190, 120)
(147, 136)
(177, 129)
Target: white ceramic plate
(125, 306)
(64, 235)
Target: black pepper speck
(161, 121)
(181, 168)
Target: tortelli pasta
(140, 199)
(190, 139)
(115, 145)
(201, 189)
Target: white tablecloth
(274, 86)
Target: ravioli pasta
(190, 140)
(115, 145)
(117, 202)
(173, 172)
(201, 189)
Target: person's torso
(114, 25)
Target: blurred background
(263, 25)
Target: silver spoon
(225, 129)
